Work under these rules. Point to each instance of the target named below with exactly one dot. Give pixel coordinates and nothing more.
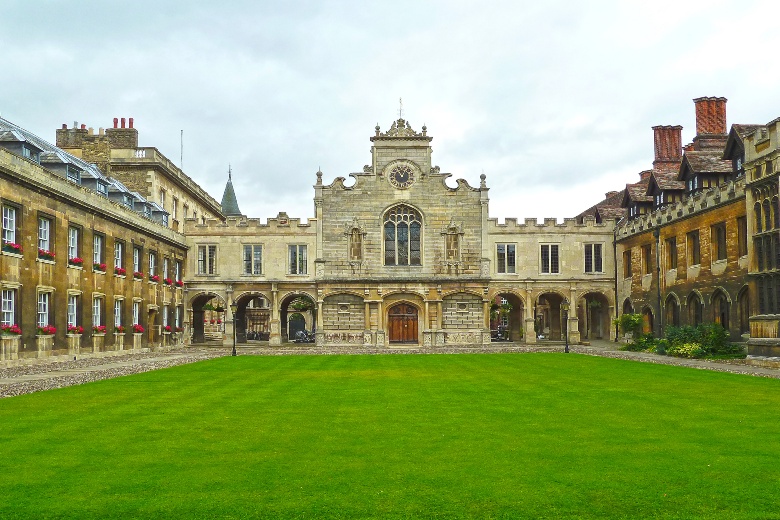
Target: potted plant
(119, 329)
(120, 271)
(11, 330)
(138, 275)
(99, 329)
(138, 329)
(168, 281)
(179, 283)
(154, 278)
(12, 247)
(76, 261)
(75, 329)
(45, 254)
(101, 266)
(168, 329)
(47, 330)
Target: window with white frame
(178, 270)
(207, 259)
(44, 234)
(253, 259)
(97, 248)
(117, 313)
(506, 257)
(73, 310)
(175, 208)
(166, 267)
(97, 311)
(297, 259)
(44, 309)
(152, 263)
(593, 258)
(119, 254)
(549, 259)
(165, 311)
(9, 224)
(136, 313)
(73, 242)
(8, 316)
(136, 259)
(162, 199)
(177, 316)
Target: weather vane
(230, 171)
(400, 108)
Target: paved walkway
(22, 379)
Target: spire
(229, 202)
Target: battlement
(279, 224)
(697, 204)
(531, 225)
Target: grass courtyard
(397, 436)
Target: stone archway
(593, 314)
(300, 303)
(253, 317)
(506, 317)
(201, 313)
(548, 316)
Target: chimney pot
(75, 124)
(83, 126)
(668, 145)
(610, 194)
(116, 122)
(131, 122)
(64, 126)
(710, 115)
(123, 122)
(101, 131)
(91, 130)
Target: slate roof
(637, 192)
(229, 202)
(665, 181)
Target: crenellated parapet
(696, 204)
(280, 223)
(549, 225)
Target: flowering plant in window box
(11, 247)
(137, 328)
(138, 275)
(120, 271)
(99, 329)
(168, 328)
(168, 281)
(213, 321)
(76, 261)
(119, 329)
(99, 266)
(47, 330)
(45, 254)
(11, 330)
(155, 278)
(219, 322)
(75, 329)
(179, 329)
(179, 283)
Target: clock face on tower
(401, 176)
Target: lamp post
(233, 309)
(565, 307)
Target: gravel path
(56, 373)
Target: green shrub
(629, 324)
(687, 350)
(711, 338)
(641, 343)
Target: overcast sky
(553, 100)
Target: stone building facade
(76, 260)
(399, 257)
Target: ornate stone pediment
(353, 224)
(401, 128)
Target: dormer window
(693, 183)
(102, 188)
(73, 174)
(659, 199)
(30, 153)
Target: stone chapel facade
(397, 258)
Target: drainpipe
(657, 235)
(615, 262)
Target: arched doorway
(253, 318)
(593, 312)
(672, 311)
(647, 320)
(628, 308)
(295, 324)
(548, 317)
(744, 311)
(720, 307)
(402, 324)
(301, 304)
(506, 317)
(208, 311)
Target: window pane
(510, 258)
(545, 258)
(588, 258)
(302, 262)
(293, 259)
(247, 259)
(389, 243)
(414, 243)
(403, 243)
(258, 260)
(597, 258)
(501, 258)
(554, 259)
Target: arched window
(720, 306)
(672, 311)
(627, 307)
(757, 210)
(403, 228)
(767, 215)
(695, 309)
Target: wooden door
(402, 323)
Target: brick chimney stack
(710, 115)
(668, 147)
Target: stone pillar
(9, 347)
(380, 321)
(119, 341)
(486, 322)
(530, 323)
(137, 341)
(44, 344)
(74, 344)
(98, 340)
(275, 336)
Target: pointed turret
(229, 202)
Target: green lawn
(399, 436)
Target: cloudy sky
(553, 100)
